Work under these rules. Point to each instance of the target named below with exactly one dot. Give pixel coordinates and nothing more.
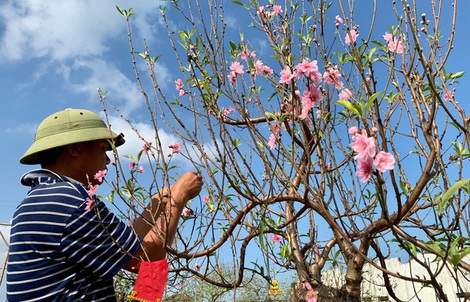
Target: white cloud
(123, 92)
(134, 143)
(58, 30)
(29, 128)
(76, 38)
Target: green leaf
(125, 13)
(436, 247)
(120, 10)
(371, 100)
(450, 192)
(285, 252)
(355, 108)
(456, 75)
(261, 233)
(233, 46)
(239, 3)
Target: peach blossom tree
(319, 126)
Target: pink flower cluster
(311, 295)
(276, 238)
(351, 37)
(90, 201)
(273, 138)
(269, 10)
(366, 154)
(176, 147)
(261, 69)
(308, 69)
(332, 76)
(448, 96)
(146, 147)
(133, 165)
(179, 87)
(237, 68)
(187, 212)
(226, 112)
(236, 71)
(338, 20)
(393, 44)
(100, 175)
(310, 96)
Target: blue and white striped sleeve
(99, 241)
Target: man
(65, 245)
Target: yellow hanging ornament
(274, 290)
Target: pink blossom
(187, 212)
(448, 96)
(132, 165)
(232, 77)
(338, 21)
(363, 145)
(311, 295)
(308, 286)
(89, 203)
(182, 92)
(179, 84)
(92, 190)
(146, 147)
(206, 198)
(261, 69)
(226, 112)
(309, 69)
(237, 68)
(286, 75)
(345, 94)
(384, 161)
(276, 128)
(332, 77)
(388, 37)
(100, 175)
(392, 43)
(364, 165)
(354, 130)
(141, 169)
(309, 98)
(351, 37)
(276, 238)
(176, 147)
(244, 54)
(272, 141)
(236, 71)
(277, 9)
(396, 47)
(197, 267)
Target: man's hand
(187, 187)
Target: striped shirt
(61, 252)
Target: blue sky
(55, 54)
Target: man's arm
(156, 238)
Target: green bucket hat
(68, 127)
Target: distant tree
(316, 131)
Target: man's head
(64, 128)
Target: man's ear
(74, 149)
